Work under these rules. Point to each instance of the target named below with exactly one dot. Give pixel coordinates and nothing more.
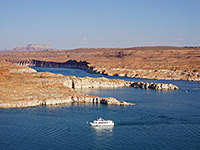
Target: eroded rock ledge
(67, 100)
(156, 86)
(88, 82)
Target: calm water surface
(164, 120)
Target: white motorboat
(102, 122)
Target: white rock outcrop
(88, 82)
(156, 86)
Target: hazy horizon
(53, 48)
(66, 24)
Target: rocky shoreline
(161, 74)
(78, 99)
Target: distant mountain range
(33, 47)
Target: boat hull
(94, 124)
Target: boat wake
(141, 123)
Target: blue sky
(68, 24)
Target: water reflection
(103, 130)
(103, 136)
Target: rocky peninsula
(22, 86)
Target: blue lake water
(164, 120)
